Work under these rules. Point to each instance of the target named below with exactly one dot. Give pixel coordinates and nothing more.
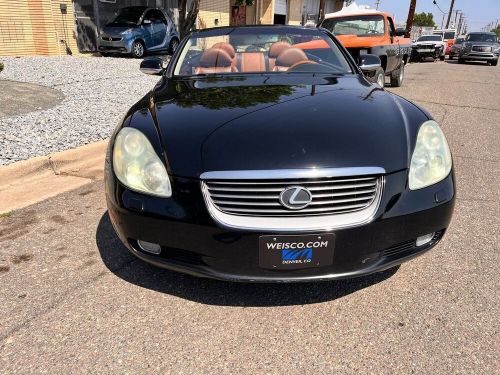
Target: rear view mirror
(152, 66)
(369, 63)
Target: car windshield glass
(430, 38)
(356, 25)
(459, 40)
(449, 35)
(481, 38)
(127, 16)
(275, 50)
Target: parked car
(428, 46)
(139, 30)
(278, 165)
(456, 47)
(368, 31)
(480, 46)
(448, 38)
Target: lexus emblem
(295, 197)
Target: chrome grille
(481, 48)
(330, 195)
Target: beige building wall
(266, 8)
(212, 10)
(294, 12)
(32, 27)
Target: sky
(479, 13)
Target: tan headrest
(277, 48)
(215, 57)
(226, 47)
(290, 57)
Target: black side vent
(404, 247)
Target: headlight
(128, 31)
(137, 165)
(431, 160)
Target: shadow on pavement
(126, 266)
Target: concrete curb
(34, 180)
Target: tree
(496, 31)
(424, 19)
(187, 21)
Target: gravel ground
(98, 92)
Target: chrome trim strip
(291, 173)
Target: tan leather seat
(275, 51)
(251, 62)
(229, 49)
(290, 58)
(215, 60)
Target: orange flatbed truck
(368, 31)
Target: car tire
(442, 58)
(138, 49)
(460, 60)
(494, 62)
(172, 47)
(397, 76)
(105, 54)
(379, 77)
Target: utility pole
(377, 3)
(459, 29)
(411, 14)
(456, 15)
(449, 13)
(321, 10)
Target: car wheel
(494, 62)
(174, 43)
(397, 76)
(442, 58)
(138, 49)
(379, 77)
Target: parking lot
(74, 300)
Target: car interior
(277, 56)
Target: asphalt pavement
(75, 301)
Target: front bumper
(479, 56)
(193, 243)
(122, 46)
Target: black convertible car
(264, 154)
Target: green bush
(1, 66)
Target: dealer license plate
(296, 251)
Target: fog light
(150, 247)
(422, 240)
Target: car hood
(262, 123)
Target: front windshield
(459, 40)
(481, 38)
(275, 50)
(449, 35)
(127, 16)
(430, 38)
(356, 25)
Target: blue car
(139, 30)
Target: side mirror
(369, 63)
(146, 22)
(400, 32)
(152, 66)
